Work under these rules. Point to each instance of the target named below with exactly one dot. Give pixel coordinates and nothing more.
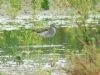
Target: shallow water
(26, 22)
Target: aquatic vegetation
(13, 7)
(1, 73)
(36, 4)
(45, 4)
(87, 63)
(9, 43)
(1, 1)
(15, 3)
(83, 6)
(41, 72)
(77, 38)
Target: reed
(88, 64)
(13, 7)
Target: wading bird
(47, 31)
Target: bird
(47, 31)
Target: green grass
(13, 7)
(1, 73)
(45, 4)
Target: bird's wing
(41, 30)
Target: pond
(17, 39)
(24, 52)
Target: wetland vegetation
(73, 50)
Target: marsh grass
(1, 1)
(10, 41)
(88, 64)
(85, 39)
(42, 72)
(1, 73)
(13, 7)
(45, 4)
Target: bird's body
(46, 32)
